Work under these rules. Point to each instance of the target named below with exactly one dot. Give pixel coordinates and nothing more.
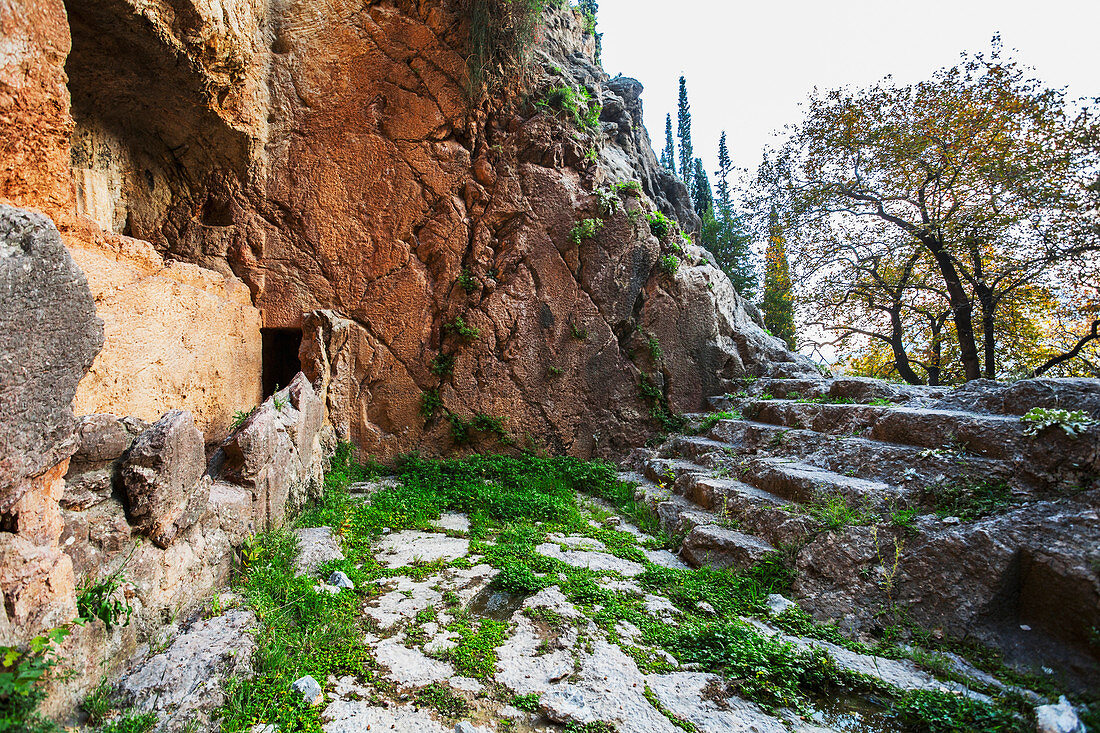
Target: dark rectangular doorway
(280, 355)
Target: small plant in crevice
(460, 429)
(654, 347)
(467, 280)
(1073, 423)
(555, 371)
(659, 408)
(669, 264)
(462, 330)
(660, 225)
(430, 402)
(442, 364)
(490, 424)
(98, 705)
(580, 333)
(577, 106)
(585, 229)
(240, 417)
(278, 402)
(105, 600)
(607, 202)
(707, 423)
(968, 497)
(131, 723)
(628, 188)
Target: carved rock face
(49, 335)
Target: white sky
(749, 64)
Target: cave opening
(151, 156)
(280, 357)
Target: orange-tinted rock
(178, 336)
(38, 588)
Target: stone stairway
(901, 505)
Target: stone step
(903, 465)
(748, 508)
(989, 436)
(802, 483)
(721, 547)
(666, 471)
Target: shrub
(22, 672)
(502, 38)
(585, 229)
(628, 188)
(660, 225)
(669, 264)
(579, 107)
(1041, 418)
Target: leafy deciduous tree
(982, 169)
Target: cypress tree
(668, 155)
(731, 246)
(725, 167)
(778, 301)
(701, 195)
(683, 131)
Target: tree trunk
(962, 310)
(901, 359)
(934, 369)
(985, 302)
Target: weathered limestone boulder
(164, 478)
(185, 683)
(278, 452)
(1016, 398)
(49, 337)
(102, 440)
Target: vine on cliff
(502, 37)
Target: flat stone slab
(316, 546)
(357, 716)
(453, 522)
(682, 694)
(666, 559)
(408, 596)
(600, 562)
(410, 667)
(577, 542)
(184, 682)
(401, 549)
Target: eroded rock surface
(184, 684)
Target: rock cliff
(329, 156)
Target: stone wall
(177, 335)
(144, 505)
